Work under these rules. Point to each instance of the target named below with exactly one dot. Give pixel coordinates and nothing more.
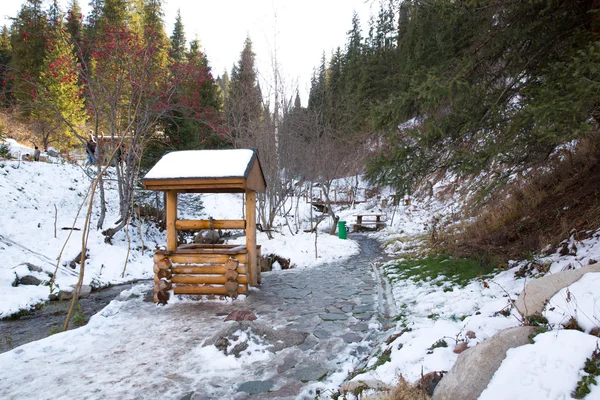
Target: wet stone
(255, 387)
(362, 327)
(310, 373)
(309, 343)
(333, 317)
(347, 308)
(289, 362)
(322, 334)
(332, 309)
(351, 337)
(363, 309)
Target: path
(313, 328)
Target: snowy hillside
(430, 319)
(42, 201)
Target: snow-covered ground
(36, 197)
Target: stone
(52, 152)
(470, 335)
(333, 317)
(241, 316)
(255, 387)
(460, 347)
(475, 367)
(351, 337)
(538, 292)
(33, 268)
(29, 280)
(289, 362)
(67, 294)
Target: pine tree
(59, 109)
(178, 44)
(28, 42)
(74, 25)
(5, 56)
(244, 99)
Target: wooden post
(251, 236)
(171, 218)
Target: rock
(470, 335)
(429, 381)
(52, 152)
(85, 291)
(255, 387)
(241, 316)
(33, 268)
(29, 280)
(460, 347)
(67, 293)
(208, 237)
(539, 291)
(475, 367)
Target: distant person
(36, 154)
(90, 148)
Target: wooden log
(196, 225)
(165, 263)
(206, 258)
(231, 288)
(171, 218)
(213, 270)
(232, 275)
(195, 289)
(251, 236)
(164, 285)
(207, 279)
(164, 273)
(232, 264)
(163, 296)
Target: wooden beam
(195, 289)
(171, 218)
(195, 225)
(206, 279)
(219, 270)
(206, 258)
(251, 237)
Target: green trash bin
(342, 234)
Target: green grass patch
(459, 271)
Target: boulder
(475, 367)
(67, 294)
(539, 291)
(29, 280)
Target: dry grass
(406, 391)
(543, 207)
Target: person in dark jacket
(36, 154)
(90, 148)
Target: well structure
(201, 269)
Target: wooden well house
(206, 269)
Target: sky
(297, 31)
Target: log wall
(201, 271)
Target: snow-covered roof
(202, 164)
(198, 169)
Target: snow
(423, 312)
(202, 164)
(546, 369)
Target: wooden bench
(378, 222)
